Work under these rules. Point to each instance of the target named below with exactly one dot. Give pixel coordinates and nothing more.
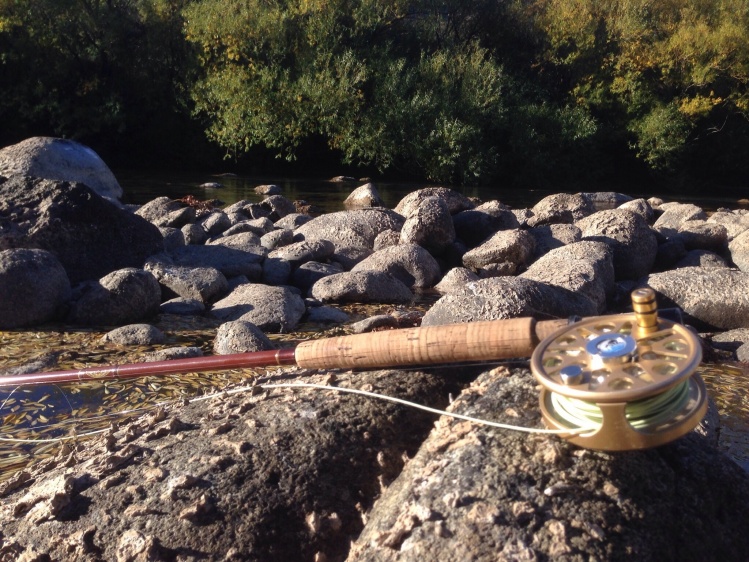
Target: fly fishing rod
(629, 378)
(431, 345)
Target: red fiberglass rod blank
(174, 366)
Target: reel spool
(630, 378)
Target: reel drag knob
(628, 380)
(610, 349)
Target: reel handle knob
(646, 310)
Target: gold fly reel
(629, 379)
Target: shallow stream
(140, 187)
(35, 421)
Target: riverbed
(36, 421)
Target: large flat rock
(284, 475)
(485, 494)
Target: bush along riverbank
(312, 475)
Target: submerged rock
(169, 353)
(135, 334)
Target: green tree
(671, 77)
(415, 86)
(102, 71)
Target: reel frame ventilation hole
(629, 377)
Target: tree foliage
(530, 91)
(673, 74)
(415, 86)
(95, 70)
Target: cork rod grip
(473, 341)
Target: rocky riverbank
(275, 474)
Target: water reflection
(728, 386)
(141, 187)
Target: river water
(34, 419)
(140, 187)
(729, 383)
